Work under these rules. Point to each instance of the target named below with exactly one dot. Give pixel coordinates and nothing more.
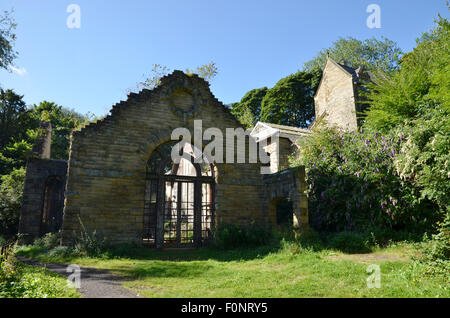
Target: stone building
(121, 179)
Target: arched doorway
(52, 206)
(179, 199)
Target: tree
(11, 188)
(248, 110)
(7, 39)
(290, 102)
(372, 54)
(421, 85)
(13, 117)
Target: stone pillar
(300, 203)
(42, 145)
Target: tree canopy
(372, 54)
(419, 86)
(12, 116)
(248, 110)
(7, 39)
(290, 102)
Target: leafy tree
(372, 54)
(290, 101)
(421, 84)
(248, 110)
(7, 39)
(11, 188)
(13, 117)
(14, 155)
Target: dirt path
(95, 283)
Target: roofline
(323, 70)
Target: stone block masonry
(108, 159)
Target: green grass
(289, 270)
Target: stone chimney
(42, 145)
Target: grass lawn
(287, 271)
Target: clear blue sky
(253, 42)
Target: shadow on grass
(166, 260)
(135, 252)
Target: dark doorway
(52, 206)
(285, 212)
(179, 200)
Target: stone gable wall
(107, 165)
(336, 97)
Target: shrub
(60, 251)
(350, 242)
(89, 243)
(424, 158)
(354, 184)
(48, 241)
(436, 255)
(21, 281)
(11, 188)
(440, 247)
(229, 236)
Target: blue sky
(253, 42)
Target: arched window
(179, 198)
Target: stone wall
(336, 97)
(38, 171)
(289, 184)
(107, 165)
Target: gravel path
(95, 283)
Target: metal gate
(178, 209)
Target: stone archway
(52, 205)
(179, 200)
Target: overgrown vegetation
(207, 71)
(22, 281)
(393, 175)
(355, 184)
(19, 126)
(11, 187)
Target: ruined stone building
(121, 181)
